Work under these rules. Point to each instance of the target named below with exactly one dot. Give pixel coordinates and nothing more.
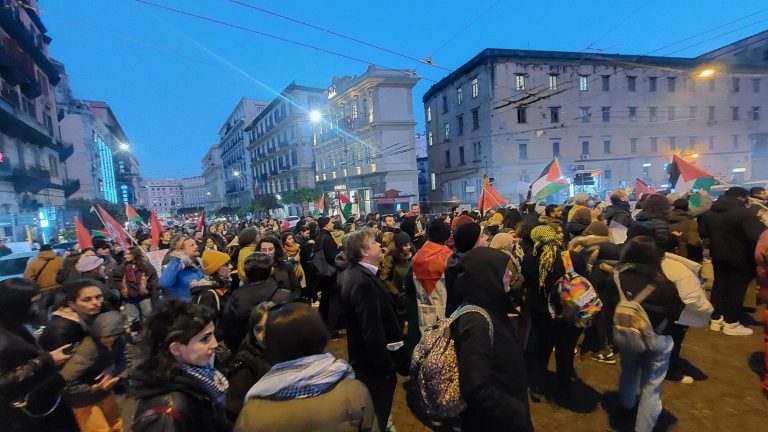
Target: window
(459, 96)
(583, 83)
(556, 149)
(711, 85)
(654, 144)
(755, 85)
(670, 113)
(475, 119)
(445, 104)
(519, 82)
(734, 113)
(711, 113)
(554, 114)
(606, 81)
(691, 112)
(633, 145)
(711, 142)
(477, 148)
(584, 149)
(735, 84)
(692, 143)
(691, 85)
(429, 114)
(672, 143)
(475, 88)
(429, 139)
(553, 82)
(652, 84)
(755, 113)
(447, 158)
(607, 174)
(447, 128)
(460, 121)
(461, 155)
(735, 140)
(631, 83)
(432, 181)
(652, 114)
(607, 146)
(671, 83)
(632, 114)
(606, 112)
(523, 148)
(354, 108)
(584, 114)
(521, 115)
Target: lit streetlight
(706, 73)
(315, 116)
(236, 173)
(124, 146)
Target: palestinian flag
(684, 176)
(132, 215)
(100, 233)
(84, 239)
(320, 205)
(550, 181)
(642, 188)
(201, 223)
(346, 205)
(156, 229)
(489, 197)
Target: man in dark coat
(733, 230)
(326, 284)
(415, 225)
(374, 337)
(492, 374)
(306, 253)
(619, 210)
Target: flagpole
(105, 225)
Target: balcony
(65, 151)
(28, 179)
(70, 187)
(33, 46)
(19, 125)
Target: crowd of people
(223, 333)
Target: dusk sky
(172, 80)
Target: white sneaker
(687, 380)
(716, 325)
(736, 329)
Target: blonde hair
(387, 239)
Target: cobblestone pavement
(726, 396)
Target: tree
(301, 195)
(91, 220)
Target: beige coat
(45, 275)
(346, 407)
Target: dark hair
(372, 224)
(736, 192)
(279, 255)
(756, 190)
(337, 225)
(247, 236)
(173, 321)
(71, 290)
(258, 267)
(293, 331)
(15, 300)
(548, 210)
(512, 218)
(658, 206)
(354, 243)
(680, 204)
(642, 250)
(257, 313)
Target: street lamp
(315, 116)
(706, 73)
(124, 146)
(236, 173)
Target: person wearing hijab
(542, 269)
(492, 376)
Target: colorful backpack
(435, 367)
(578, 297)
(632, 329)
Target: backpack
(632, 329)
(435, 367)
(578, 297)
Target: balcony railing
(34, 47)
(70, 187)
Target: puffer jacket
(658, 229)
(65, 327)
(347, 406)
(245, 368)
(684, 273)
(732, 230)
(44, 269)
(680, 221)
(177, 277)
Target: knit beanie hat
(322, 221)
(401, 238)
(582, 215)
(438, 231)
(213, 261)
(88, 263)
(466, 236)
(598, 228)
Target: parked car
(65, 246)
(13, 265)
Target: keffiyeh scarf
(213, 381)
(301, 378)
(545, 243)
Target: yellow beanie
(213, 261)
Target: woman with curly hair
(542, 268)
(282, 270)
(176, 385)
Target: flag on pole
(113, 228)
(489, 197)
(201, 223)
(345, 204)
(642, 188)
(320, 205)
(549, 182)
(133, 215)
(156, 228)
(100, 233)
(84, 239)
(684, 176)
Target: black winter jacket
(178, 405)
(492, 377)
(245, 368)
(732, 230)
(238, 309)
(617, 212)
(658, 229)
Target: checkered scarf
(301, 378)
(546, 245)
(213, 381)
